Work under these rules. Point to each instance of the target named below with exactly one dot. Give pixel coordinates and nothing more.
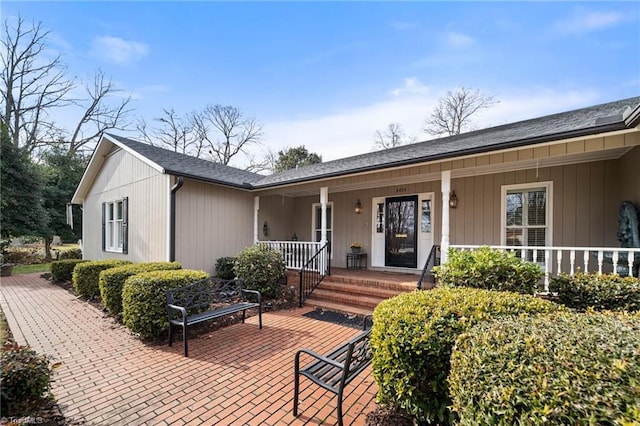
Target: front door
(401, 232)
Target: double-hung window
(526, 217)
(115, 226)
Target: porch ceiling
(459, 168)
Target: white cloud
(458, 40)
(351, 132)
(117, 50)
(584, 21)
(411, 86)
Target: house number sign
(401, 190)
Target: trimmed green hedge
(490, 269)
(600, 292)
(112, 280)
(25, 381)
(86, 275)
(62, 270)
(413, 335)
(144, 303)
(570, 369)
(262, 269)
(224, 267)
(71, 254)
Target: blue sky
(329, 74)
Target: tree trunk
(47, 249)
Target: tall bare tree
(389, 138)
(226, 131)
(99, 114)
(454, 111)
(33, 84)
(174, 132)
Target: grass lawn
(29, 269)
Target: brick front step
(354, 294)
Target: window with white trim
(115, 226)
(526, 216)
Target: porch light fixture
(358, 208)
(265, 229)
(453, 200)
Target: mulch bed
(383, 417)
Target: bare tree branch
(454, 111)
(32, 85)
(389, 138)
(226, 132)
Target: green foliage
(261, 269)
(224, 268)
(62, 270)
(601, 292)
(413, 335)
(568, 369)
(86, 275)
(489, 269)
(21, 208)
(144, 302)
(62, 173)
(71, 254)
(112, 280)
(25, 380)
(292, 158)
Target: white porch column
(324, 198)
(446, 190)
(256, 227)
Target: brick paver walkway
(238, 375)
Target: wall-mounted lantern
(265, 229)
(358, 207)
(453, 200)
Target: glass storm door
(401, 235)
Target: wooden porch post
(324, 197)
(256, 209)
(446, 190)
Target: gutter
(172, 218)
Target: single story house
(554, 182)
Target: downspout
(172, 219)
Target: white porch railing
(296, 253)
(556, 260)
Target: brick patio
(238, 375)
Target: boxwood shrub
(224, 267)
(490, 269)
(600, 292)
(71, 254)
(62, 270)
(144, 303)
(413, 335)
(570, 369)
(25, 381)
(112, 280)
(262, 269)
(86, 275)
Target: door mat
(352, 320)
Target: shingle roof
(175, 163)
(580, 122)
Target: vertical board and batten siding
(630, 176)
(211, 221)
(278, 211)
(123, 175)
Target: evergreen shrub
(86, 275)
(413, 335)
(25, 381)
(262, 269)
(490, 269)
(224, 267)
(600, 292)
(112, 280)
(62, 270)
(144, 302)
(569, 369)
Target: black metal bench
(192, 304)
(336, 369)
